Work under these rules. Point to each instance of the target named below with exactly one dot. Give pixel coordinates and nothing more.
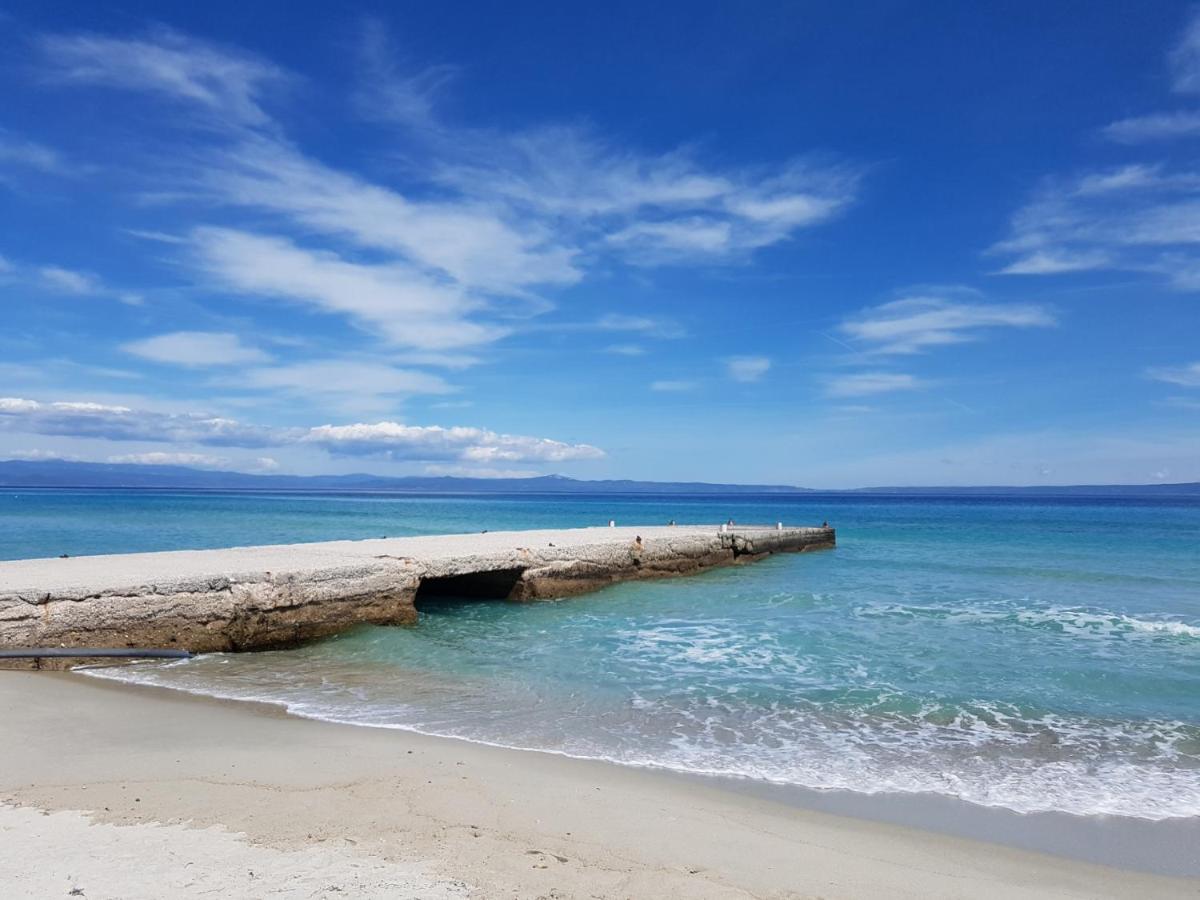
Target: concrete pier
(253, 598)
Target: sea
(1030, 653)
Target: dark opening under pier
(493, 584)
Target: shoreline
(1132, 843)
(479, 814)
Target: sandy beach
(112, 791)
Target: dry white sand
(149, 862)
(319, 810)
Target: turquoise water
(1029, 654)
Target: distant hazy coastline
(69, 474)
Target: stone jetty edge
(258, 598)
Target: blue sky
(820, 244)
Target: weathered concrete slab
(249, 598)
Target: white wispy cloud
(866, 384)
(914, 324)
(341, 377)
(64, 281)
(932, 317)
(1185, 375)
(1141, 218)
(437, 359)
(1184, 63)
(576, 174)
(386, 92)
(224, 82)
(1154, 127)
(197, 349)
(632, 327)
(1058, 262)
(1184, 58)
(648, 326)
(393, 440)
(392, 300)
(460, 238)
(747, 368)
(69, 281)
(20, 153)
(651, 209)
(626, 349)
(654, 242)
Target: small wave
(985, 753)
(1066, 619)
(715, 642)
(1081, 620)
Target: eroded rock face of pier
(254, 598)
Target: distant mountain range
(61, 473)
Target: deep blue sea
(1034, 654)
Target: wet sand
(250, 796)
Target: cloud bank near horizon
(469, 446)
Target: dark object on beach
(63, 556)
(77, 652)
(825, 524)
(484, 531)
(730, 522)
(672, 522)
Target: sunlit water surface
(1030, 654)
